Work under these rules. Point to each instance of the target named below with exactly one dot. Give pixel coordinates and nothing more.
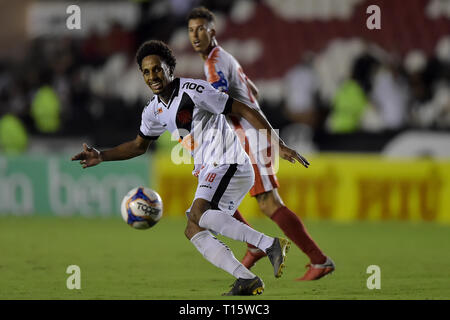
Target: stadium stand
(98, 83)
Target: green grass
(118, 262)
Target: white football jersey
(225, 73)
(195, 117)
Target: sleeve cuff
(148, 137)
(228, 105)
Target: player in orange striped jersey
(224, 72)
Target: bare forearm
(90, 156)
(123, 151)
(258, 121)
(255, 118)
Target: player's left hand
(292, 155)
(89, 157)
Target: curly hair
(201, 12)
(159, 48)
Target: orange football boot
(317, 271)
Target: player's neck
(167, 92)
(206, 53)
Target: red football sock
(294, 229)
(237, 215)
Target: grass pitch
(118, 262)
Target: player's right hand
(89, 157)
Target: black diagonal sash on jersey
(223, 184)
(185, 112)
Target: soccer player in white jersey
(193, 112)
(223, 71)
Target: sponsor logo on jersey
(193, 86)
(222, 83)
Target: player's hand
(292, 155)
(89, 157)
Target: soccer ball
(141, 208)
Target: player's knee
(188, 232)
(198, 208)
(191, 229)
(269, 202)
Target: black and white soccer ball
(141, 208)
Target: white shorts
(224, 186)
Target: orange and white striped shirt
(225, 73)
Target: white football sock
(230, 227)
(216, 252)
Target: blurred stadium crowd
(321, 72)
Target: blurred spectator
(181, 8)
(81, 97)
(118, 40)
(430, 99)
(13, 135)
(46, 109)
(301, 92)
(390, 96)
(351, 99)
(120, 77)
(92, 49)
(301, 87)
(12, 95)
(349, 105)
(154, 15)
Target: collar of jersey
(211, 52)
(176, 88)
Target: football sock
(228, 226)
(294, 229)
(216, 252)
(237, 215)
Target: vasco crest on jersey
(157, 111)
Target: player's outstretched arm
(90, 156)
(259, 122)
